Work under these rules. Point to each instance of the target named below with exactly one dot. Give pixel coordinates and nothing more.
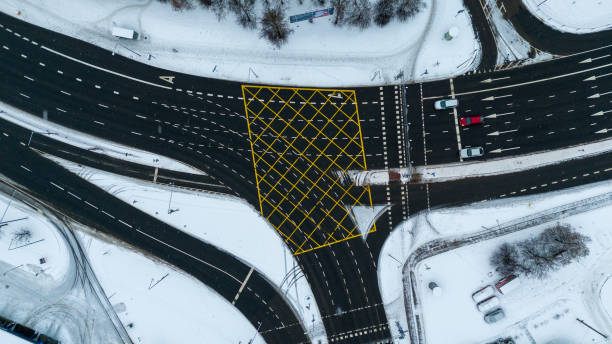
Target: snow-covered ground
(455, 171)
(228, 223)
(81, 140)
(575, 16)
(317, 54)
(158, 304)
(543, 309)
(44, 242)
(53, 298)
(452, 222)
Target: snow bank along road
(297, 138)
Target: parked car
(471, 120)
(483, 293)
(446, 104)
(494, 316)
(472, 152)
(488, 304)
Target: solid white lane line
(57, 186)
(104, 69)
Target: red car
(467, 121)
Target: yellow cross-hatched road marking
(302, 142)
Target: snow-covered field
(81, 140)
(452, 222)
(575, 16)
(230, 224)
(317, 53)
(543, 309)
(44, 242)
(158, 304)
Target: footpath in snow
(455, 171)
(317, 54)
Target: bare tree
(538, 256)
(245, 15)
(506, 259)
(218, 7)
(22, 236)
(319, 2)
(274, 26)
(408, 8)
(359, 14)
(179, 5)
(340, 10)
(205, 3)
(383, 12)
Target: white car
(472, 152)
(446, 104)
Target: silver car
(494, 316)
(472, 152)
(446, 104)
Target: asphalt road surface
(71, 195)
(281, 148)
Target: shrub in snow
(340, 10)
(22, 236)
(274, 27)
(536, 257)
(506, 259)
(408, 8)
(384, 12)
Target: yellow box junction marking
(301, 138)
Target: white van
(124, 33)
(488, 304)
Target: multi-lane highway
(537, 107)
(281, 150)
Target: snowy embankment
(574, 16)
(317, 54)
(230, 224)
(158, 304)
(453, 222)
(98, 145)
(455, 171)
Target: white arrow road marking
(495, 115)
(335, 95)
(496, 133)
(600, 113)
(494, 97)
(490, 80)
(499, 150)
(603, 131)
(595, 77)
(589, 60)
(169, 79)
(597, 95)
